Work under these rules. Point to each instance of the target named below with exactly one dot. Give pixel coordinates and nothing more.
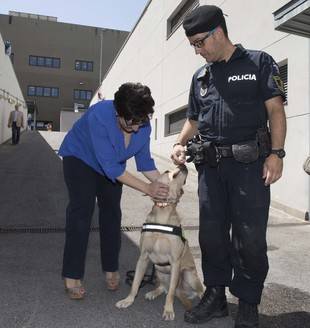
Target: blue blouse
(97, 140)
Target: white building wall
(10, 93)
(67, 119)
(167, 66)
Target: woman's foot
(74, 288)
(112, 280)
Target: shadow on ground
(32, 295)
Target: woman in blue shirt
(94, 154)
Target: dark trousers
(234, 205)
(84, 185)
(15, 133)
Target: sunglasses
(139, 122)
(200, 43)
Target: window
(175, 121)
(44, 61)
(31, 91)
(40, 61)
(283, 74)
(176, 18)
(56, 62)
(83, 65)
(46, 92)
(43, 91)
(39, 91)
(54, 92)
(48, 62)
(82, 94)
(33, 60)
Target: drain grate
(8, 230)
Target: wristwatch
(279, 152)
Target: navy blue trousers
(15, 133)
(234, 206)
(84, 186)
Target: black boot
(247, 316)
(212, 305)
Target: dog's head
(175, 179)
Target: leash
(147, 278)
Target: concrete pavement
(32, 204)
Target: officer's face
(205, 45)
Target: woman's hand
(158, 190)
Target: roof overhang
(294, 18)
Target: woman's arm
(154, 189)
(151, 175)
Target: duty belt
(224, 151)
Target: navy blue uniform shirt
(227, 98)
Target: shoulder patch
(279, 83)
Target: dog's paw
(168, 314)
(151, 295)
(125, 302)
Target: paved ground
(32, 204)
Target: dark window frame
(35, 62)
(176, 18)
(88, 94)
(43, 88)
(174, 121)
(87, 64)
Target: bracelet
(177, 144)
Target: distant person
(49, 127)
(16, 121)
(29, 122)
(94, 154)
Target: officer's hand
(158, 190)
(178, 155)
(272, 170)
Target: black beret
(202, 19)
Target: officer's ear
(219, 33)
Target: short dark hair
(133, 101)
(224, 28)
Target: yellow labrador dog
(162, 243)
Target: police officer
(231, 100)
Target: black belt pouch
(211, 154)
(246, 152)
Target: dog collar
(163, 228)
(165, 203)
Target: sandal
(76, 292)
(112, 280)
